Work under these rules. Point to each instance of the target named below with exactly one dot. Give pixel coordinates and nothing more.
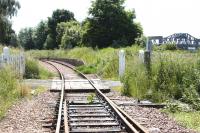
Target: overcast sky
(158, 17)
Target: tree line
(108, 25)
(8, 9)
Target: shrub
(31, 69)
(170, 47)
(44, 74)
(90, 98)
(72, 35)
(174, 74)
(35, 71)
(172, 77)
(91, 69)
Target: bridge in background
(182, 40)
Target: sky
(157, 17)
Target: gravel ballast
(150, 118)
(26, 116)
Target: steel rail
(66, 118)
(59, 119)
(130, 124)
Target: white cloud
(33, 11)
(158, 17)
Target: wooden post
(148, 45)
(147, 56)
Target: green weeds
(9, 90)
(188, 119)
(90, 98)
(173, 75)
(35, 71)
(91, 69)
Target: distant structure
(182, 41)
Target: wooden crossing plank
(78, 85)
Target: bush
(164, 47)
(72, 36)
(91, 69)
(31, 69)
(170, 47)
(172, 77)
(35, 71)
(44, 74)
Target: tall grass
(188, 119)
(173, 75)
(104, 61)
(33, 70)
(10, 89)
(13, 50)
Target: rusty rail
(59, 119)
(131, 125)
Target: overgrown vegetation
(38, 90)
(87, 69)
(173, 75)
(10, 89)
(188, 119)
(90, 98)
(33, 70)
(165, 47)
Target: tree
(57, 17)
(71, 35)
(25, 38)
(40, 35)
(5, 31)
(13, 40)
(60, 31)
(49, 44)
(8, 8)
(110, 24)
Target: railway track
(90, 112)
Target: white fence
(16, 62)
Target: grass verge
(10, 90)
(188, 119)
(172, 74)
(33, 70)
(87, 69)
